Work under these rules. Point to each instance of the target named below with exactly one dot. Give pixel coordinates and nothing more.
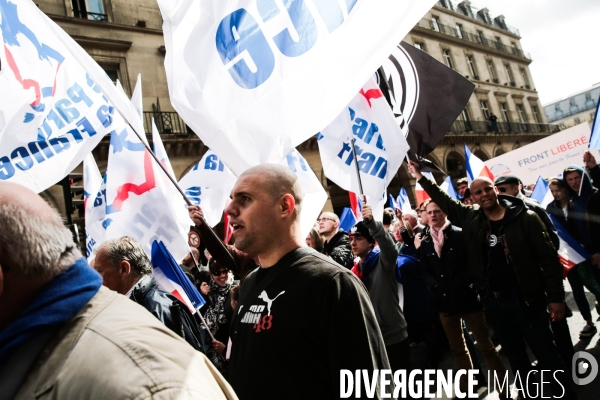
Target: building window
(472, 69)
(525, 78)
(464, 115)
(509, 75)
(448, 59)
(112, 71)
(504, 112)
(420, 46)
(492, 71)
(459, 31)
(536, 115)
(484, 108)
(481, 37)
(521, 113)
(435, 24)
(89, 9)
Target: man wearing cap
(516, 271)
(511, 185)
(377, 269)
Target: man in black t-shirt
(301, 317)
(516, 270)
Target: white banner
(546, 157)
(255, 78)
(209, 185)
(314, 194)
(52, 113)
(93, 187)
(380, 145)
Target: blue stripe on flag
(161, 258)
(540, 190)
(468, 160)
(347, 220)
(566, 236)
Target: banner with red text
(546, 157)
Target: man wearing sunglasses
(511, 185)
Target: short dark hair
(388, 216)
(570, 170)
(214, 266)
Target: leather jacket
(170, 311)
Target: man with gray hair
(126, 269)
(63, 336)
(336, 242)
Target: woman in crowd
(442, 254)
(315, 240)
(219, 313)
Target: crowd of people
(285, 313)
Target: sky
(561, 36)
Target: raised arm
(457, 212)
(389, 253)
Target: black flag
(425, 95)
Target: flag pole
(360, 187)
(204, 322)
(187, 201)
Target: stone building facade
(574, 109)
(125, 38)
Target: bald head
(482, 180)
(33, 240)
(277, 180)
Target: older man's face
(111, 276)
(409, 219)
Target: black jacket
(170, 311)
(338, 248)
(550, 228)
(528, 246)
(447, 277)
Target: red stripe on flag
(485, 172)
(354, 205)
(567, 265)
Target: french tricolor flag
(420, 193)
(403, 201)
(448, 187)
(541, 193)
(570, 251)
(348, 219)
(172, 279)
(356, 205)
(475, 167)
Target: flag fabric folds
(475, 167)
(172, 279)
(403, 201)
(347, 219)
(393, 203)
(570, 252)
(209, 185)
(93, 199)
(448, 187)
(355, 205)
(380, 145)
(420, 193)
(426, 96)
(52, 113)
(541, 193)
(274, 62)
(314, 195)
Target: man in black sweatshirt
(301, 318)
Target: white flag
(209, 185)
(93, 200)
(52, 113)
(314, 194)
(137, 200)
(380, 145)
(256, 78)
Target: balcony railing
(167, 122)
(501, 127)
(470, 37)
(90, 15)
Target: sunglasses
(502, 189)
(325, 219)
(222, 272)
